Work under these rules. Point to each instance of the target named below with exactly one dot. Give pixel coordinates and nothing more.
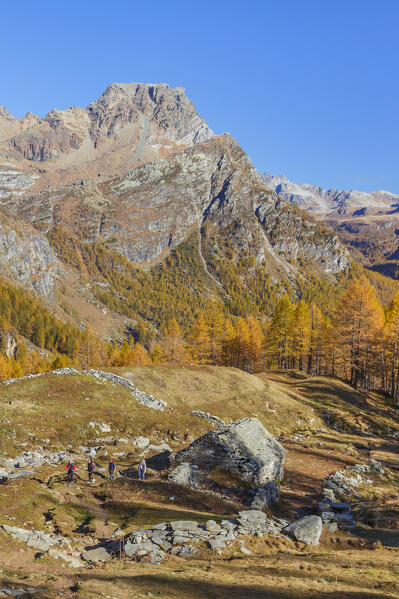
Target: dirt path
(84, 497)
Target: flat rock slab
(184, 525)
(99, 554)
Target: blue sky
(308, 88)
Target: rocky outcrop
(8, 345)
(244, 448)
(144, 398)
(169, 112)
(14, 181)
(11, 126)
(27, 257)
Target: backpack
(71, 468)
(111, 466)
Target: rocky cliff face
(151, 209)
(366, 222)
(26, 257)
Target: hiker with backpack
(70, 468)
(90, 468)
(111, 469)
(142, 469)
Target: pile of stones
(185, 537)
(335, 514)
(45, 543)
(344, 482)
(213, 419)
(334, 507)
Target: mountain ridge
(368, 223)
(139, 176)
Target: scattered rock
(144, 398)
(141, 442)
(35, 538)
(214, 419)
(72, 562)
(104, 428)
(212, 526)
(307, 529)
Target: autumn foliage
(359, 342)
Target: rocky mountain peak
(4, 112)
(130, 124)
(166, 109)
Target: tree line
(359, 342)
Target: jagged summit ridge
(129, 124)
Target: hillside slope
(59, 416)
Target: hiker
(111, 469)
(142, 468)
(90, 468)
(70, 468)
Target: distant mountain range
(367, 222)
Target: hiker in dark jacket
(142, 468)
(70, 468)
(111, 469)
(90, 468)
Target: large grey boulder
(307, 529)
(244, 448)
